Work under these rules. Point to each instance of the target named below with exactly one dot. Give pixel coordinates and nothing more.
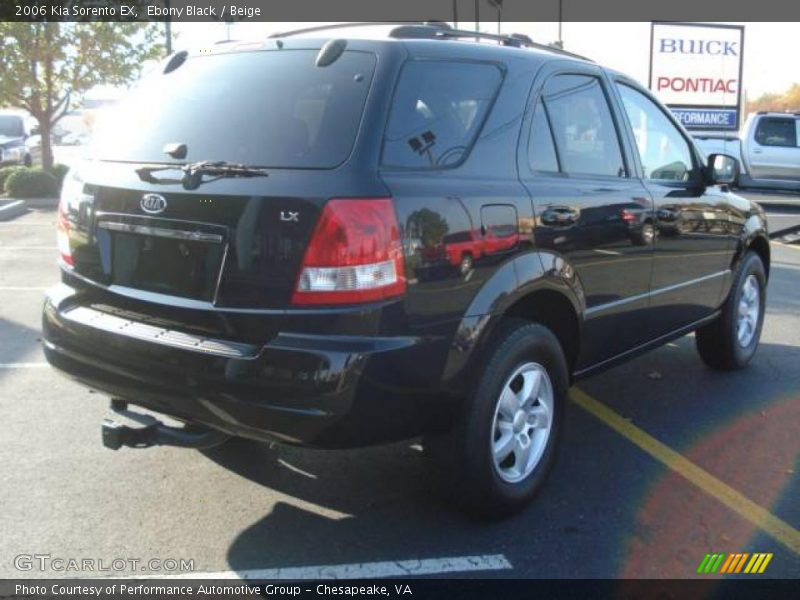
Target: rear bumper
(317, 390)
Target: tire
(730, 341)
(646, 236)
(463, 460)
(465, 266)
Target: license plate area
(166, 257)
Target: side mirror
(721, 169)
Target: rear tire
(646, 236)
(465, 266)
(499, 452)
(731, 340)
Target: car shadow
(19, 344)
(344, 506)
(378, 504)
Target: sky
(768, 47)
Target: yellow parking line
(760, 517)
(790, 246)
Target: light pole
(498, 4)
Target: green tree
(428, 226)
(45, 68)
(787, 101)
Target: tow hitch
(154, 433)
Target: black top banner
(465, 11)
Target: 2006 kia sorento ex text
(256, 249)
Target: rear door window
(269, 108)
(583, 128)
(541, 146)
(777, 132)
(437, 112)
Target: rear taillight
(62, 235)
(628, 216)
(69, 205)
(354, 255)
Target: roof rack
(794, 113)
(438, 30)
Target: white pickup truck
(768, 150)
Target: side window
(584, 131)
(541, 147)
(664, 152)
(437, 110)
(777, 132)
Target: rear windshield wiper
(193, 173)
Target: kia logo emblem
(153, 203)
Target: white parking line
(24, 248)
(20, 224)
(370, 570)
(33, 365)
(784, 265)
(21, 288)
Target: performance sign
(696, 70)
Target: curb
(42, 202)
(12, 209)
(788, 206)
(788, 235)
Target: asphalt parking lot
(663, 461)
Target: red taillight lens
(628, 216)
(355, 255)
(62, 235)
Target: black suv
(270, 241)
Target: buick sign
(695, 69)
(153, 203)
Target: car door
(692, 245)
(573, 162)
(774, 151)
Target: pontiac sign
(696, 70)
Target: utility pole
(168, 28)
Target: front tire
(498, 454)
(731, 340)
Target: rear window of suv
(438, 109)
(269, 109)
(777, 132)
